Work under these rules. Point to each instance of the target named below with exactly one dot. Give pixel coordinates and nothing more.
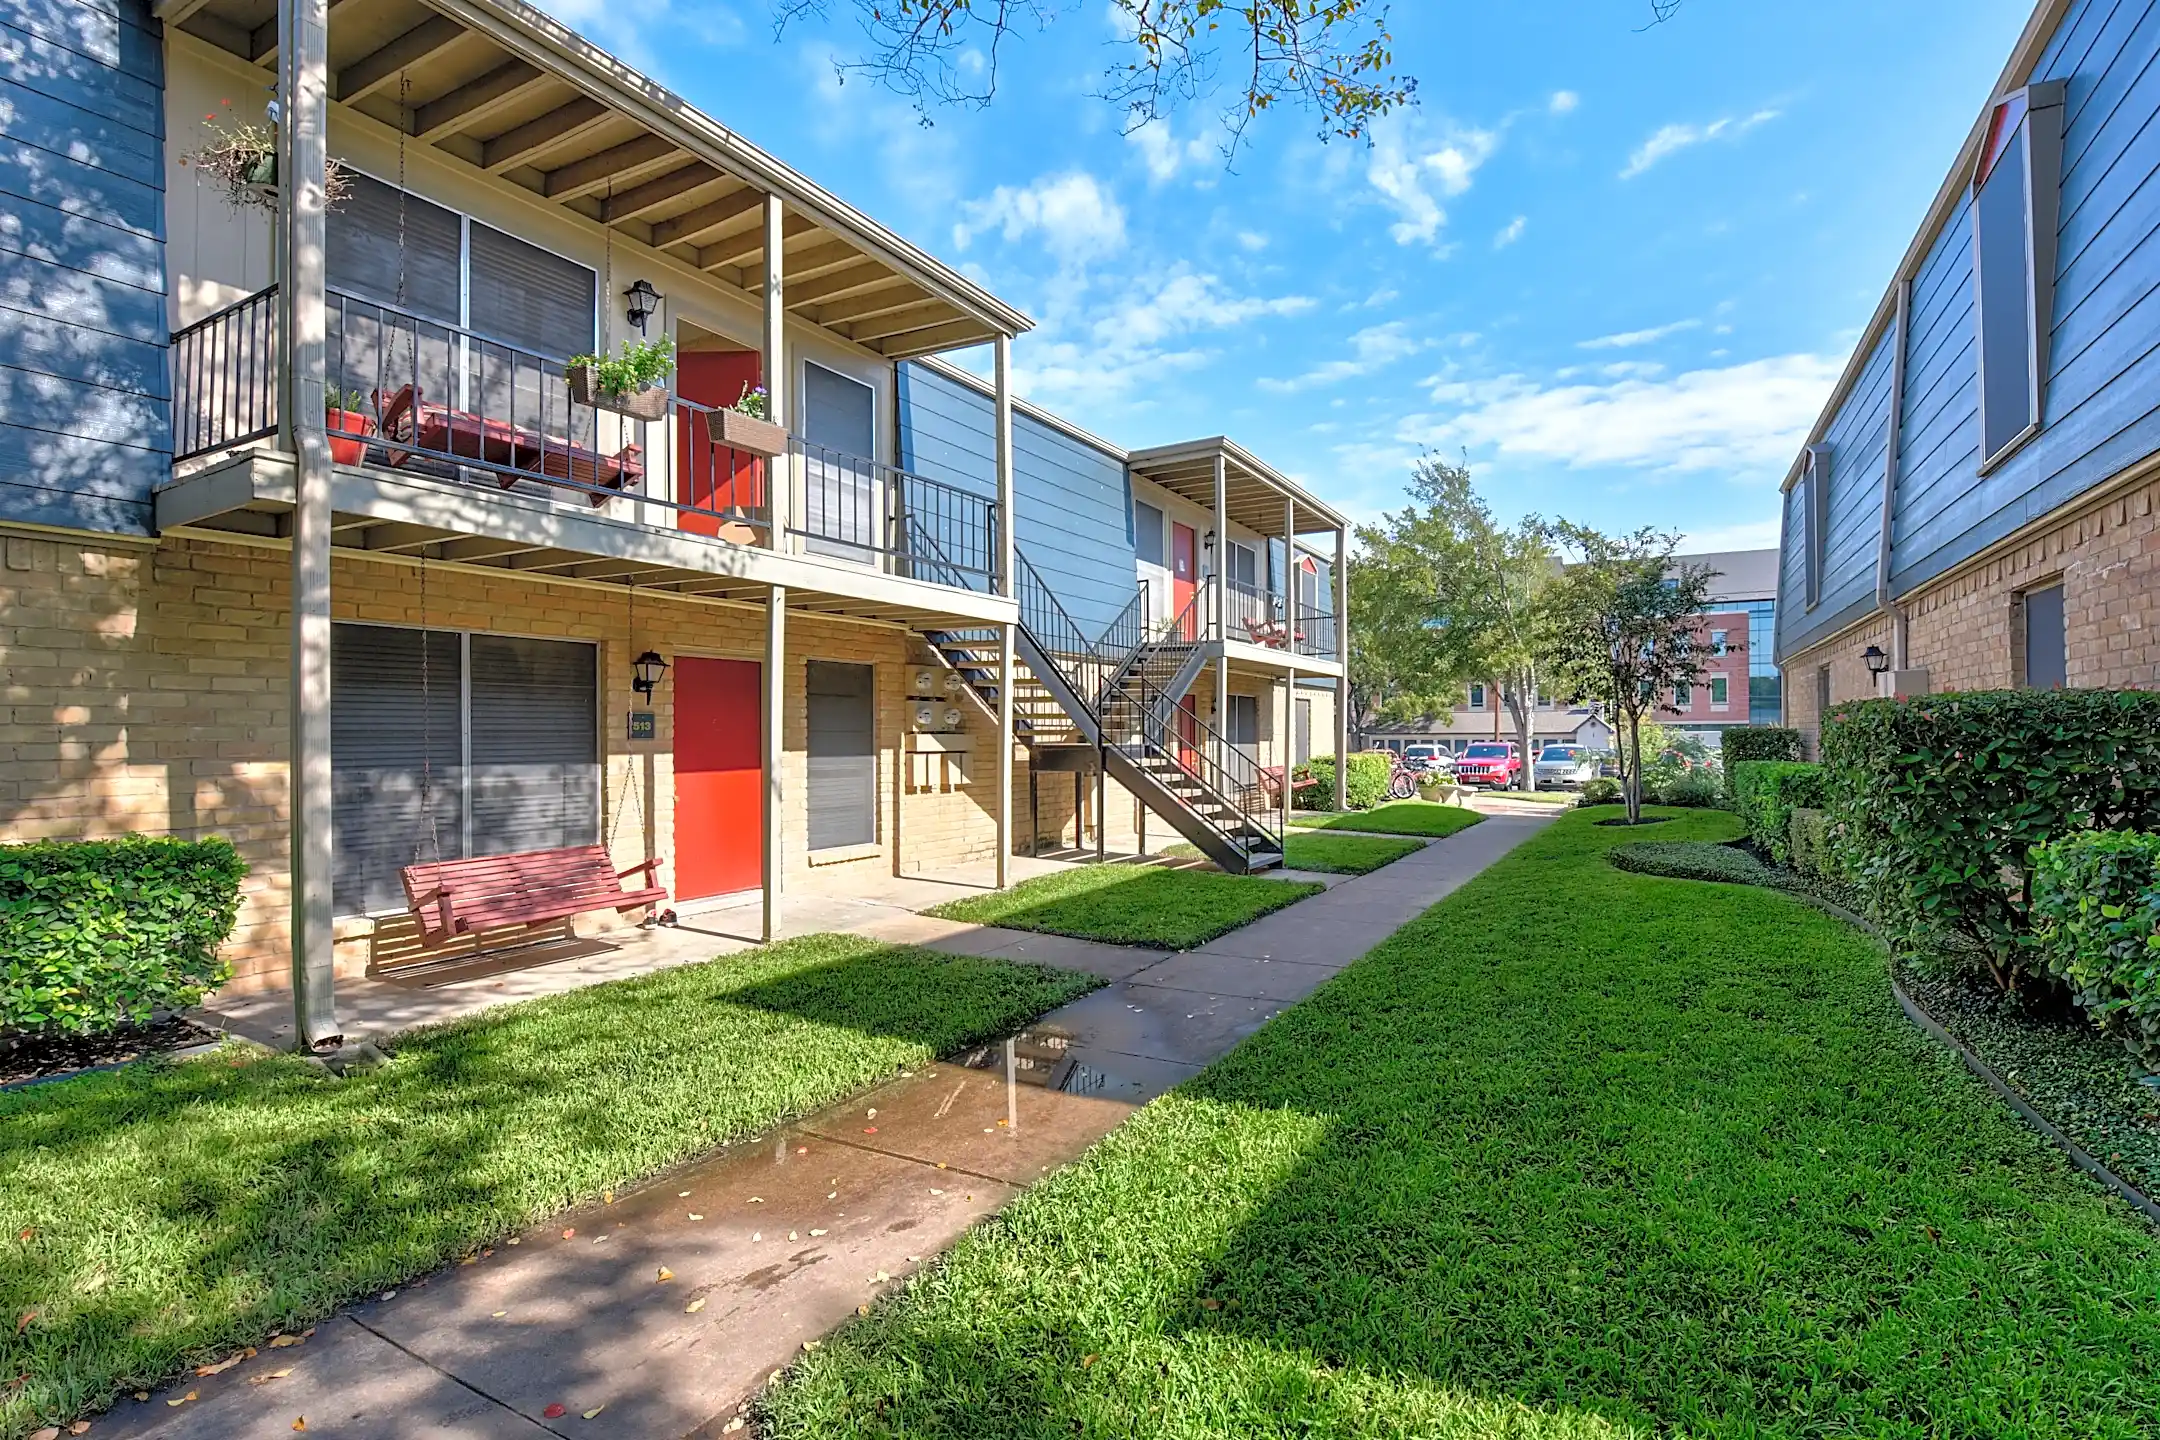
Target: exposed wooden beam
(501, 87)
(582, 177)
(740, 250)
(177, 12)
(380, 67)
(263, 44)
(898, 322)
(873, 304)
(630, 204)
(477, 550)
(937, 337)
(814, 260)
(519, 143)
(234, 39)
(694, 225)
(399, 535)
(857, 275)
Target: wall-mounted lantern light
(646, 672)
(644, 300)
(1877, 662)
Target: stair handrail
(1157, 713)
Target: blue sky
(1619, 266)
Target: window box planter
(648, 403)
(349, 448)
(746, 433)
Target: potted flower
(349, 425)
(632, 383)
(242, 159)
(746, 426)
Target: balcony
(1253, 616)
(490, 441)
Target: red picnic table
(409, 416)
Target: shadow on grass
(1668, 1161)
(165, 1214)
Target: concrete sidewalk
(770, 1245)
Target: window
(532, 298)
(447, 744)
(1244, 565)
(846, 506)
(1683, 695)
(1301, 734)
(1717, 642)
(1147, 525)
(1477, 697)
(842, 780)
(1244, 720)
(1815, 496)
(2013, 205)
(2045, 661)
(1720, 692)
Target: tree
(1443, 594)
(1627, 629)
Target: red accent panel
(1184, 574)
(713, 477)
(2001, 126)
(1188, 734)
(719, 783)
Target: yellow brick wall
(145, 692)
(1964, 630)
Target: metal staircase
(1118, 694)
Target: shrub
(1807, 843)
(1313, 783)
(1935, 802)
(1603, 790)
(2096, 914)
(1757, 742)
(1686, 787)
(1694, 860)
(1765, 792)
(99, 933)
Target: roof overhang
(1255, 489)
(507, 90)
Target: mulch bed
(32, 1057)
(1623, 820)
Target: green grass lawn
(1343, 854)
(1578, 1153)
(161, 1215)
(1398, 817)
(1131, 904)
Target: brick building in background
(1976, 504)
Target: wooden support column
(780, 479)
(1005, 551)
(1004, 756)
(1342, 658)
(1005, 562)
(772, 728)
(1217, 628)
(1290, 617)
(303, 106)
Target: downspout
(1892, 441)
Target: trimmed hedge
(1808, 843)
(1936, 801)
(1601, 790)
(1696, 787)
(1694, 860)
(1766, 792)
(2096, 911)
(100, 933)
(1313, 783)
(1741, 743)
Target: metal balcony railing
(414, 395)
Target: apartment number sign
(643, 726)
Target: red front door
(719, 787)
(713, 478)
(1188, 734)
(1184, 576)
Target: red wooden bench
(410, 416)
(464, 897)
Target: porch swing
(453, 899)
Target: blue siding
(85, 423)
(1075, 506)
(1852, 533)
(2102, 399)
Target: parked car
(1494, 763)
(1428, 759)
(1567, 766)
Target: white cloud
(1252, 240)
(1746, 419)
(1164, 154)
(1075, 214)
(1415, 168)
(1626, 338)
(1373, 348)
(1744, 535)
(1563, 102)
(1510, 232)
(1669, 140)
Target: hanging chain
(630, 776)
(427, 722)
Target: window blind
(530, 297)
(843, 755)
(535, 745)
(366, 257)
(384, 724)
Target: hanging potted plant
(349, 425)
(632, 383)
(746, 426)
(242, 159)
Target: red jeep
(1494, 763)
